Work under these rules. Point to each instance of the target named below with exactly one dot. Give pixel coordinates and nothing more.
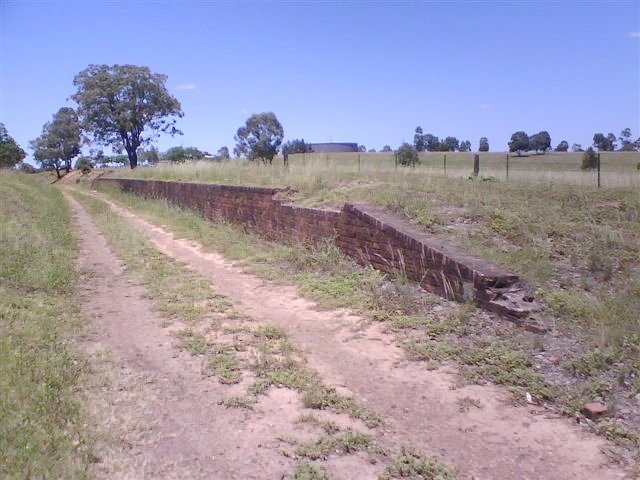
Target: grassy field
(306, 171)
(41, 432)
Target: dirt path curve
(499, 441)
(167, 412)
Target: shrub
(84, 164)
(589, 160)
(407, 155)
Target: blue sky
(366, 72)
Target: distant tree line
(126, 107)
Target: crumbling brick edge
(369, 234)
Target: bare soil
(160, 417)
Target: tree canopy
(182, 154)
(519, 142)
(604, 143)
(259, 138)
(59, 142)
(125, 106)
(540, 142)
(563, 146)
(296, 146)
(10, 152)
(483, 144)
(419, 140)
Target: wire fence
(613, 169)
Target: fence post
(445, 164)
(476, 164)
(326, 156)
(598, 169)
(358, 163)
(507, 165)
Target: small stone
(554, 360)
(594, 410)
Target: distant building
(333, 147)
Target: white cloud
(486, 106)
(187, 86)
(634, 34)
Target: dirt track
(175, 427)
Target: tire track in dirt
(155, 415)
(421, 407)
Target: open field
(618, 169)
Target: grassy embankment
(41, 427)
(580, 245)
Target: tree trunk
(133, 158)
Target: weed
(194, 342)
(329, 427)
(308, 471)
(501, 364)
(348, 442)
(415, 466)
(270, 332)
(226, 366)
(245, 402)
(465, 403)
(323, 397)
(430, 351)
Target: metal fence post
(445, 164)
(598, 169)
(507, 165)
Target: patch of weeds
(415, 466)
(590, 364)
(308, 471)
(346, 443)
(407, 322)
(575, 304)
(240, 401)
(501, 364)
(338, 290)
(619, 434)
(194, 342)
(323, 397)
(227, 367)
(287, 372)
(270, 332)
(430, 351)
(465, 404)
(329, 427)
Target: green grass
(42, 433)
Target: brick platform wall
(252, 206)
(367, 233)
